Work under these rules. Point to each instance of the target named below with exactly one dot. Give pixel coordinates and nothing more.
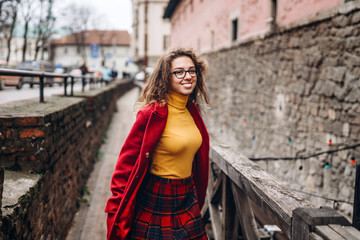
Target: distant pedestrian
(161, 175)
(114, 74)
(84, 71)
(107, 75)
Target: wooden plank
(216, 192)
(344, 232)
(353, 231)
(276, 200)
(245, 213)
(205, 214)
(314, 236)
(327, 233)
(215, 221)
(228, 210)
(213, 210)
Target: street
(10, 94)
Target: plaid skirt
(167, 209)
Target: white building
(151, 37)
(17, 43)
(102, 48)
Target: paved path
(90, 221)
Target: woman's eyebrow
(182, 68)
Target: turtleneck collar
(177, 100)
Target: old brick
(31, 133)
(22, 158)
(29, 121)
(11, 134)
(9, 149)
(6, 122)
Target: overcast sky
(113, 14)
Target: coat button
(147, 155)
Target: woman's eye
(179, 72)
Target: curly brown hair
(158, 84)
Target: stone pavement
(90, 220)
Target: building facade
(99, 49)
(208, 25)
(16, 46)
(150, 31)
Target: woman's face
(180, 83)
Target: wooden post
(245, 213)
(213, 210)
(356, 209)
(229, 210)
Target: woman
(161, 175)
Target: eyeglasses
(182, 73)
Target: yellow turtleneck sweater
(181, 139)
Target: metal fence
(42, 75)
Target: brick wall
(288, 94)
(58, 141)
(1, 191)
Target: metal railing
(42, 75)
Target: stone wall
(48, 151)
(288, 94)
(1, 191)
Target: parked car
(10, 81)
(59, 80)
(39, 66)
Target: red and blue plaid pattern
(167, 209)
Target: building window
(165, 42)
(65, 50)
(273, 14)
(212, 40)
(234, 25)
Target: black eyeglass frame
(186, 71)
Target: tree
(44, 27)
(8, 17)
(78, 18)
(27, 11)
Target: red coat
(133, 163)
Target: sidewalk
(90, 220)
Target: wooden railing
(241, 197)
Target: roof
(170, 8)
(101, 37)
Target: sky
(112, 14)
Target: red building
(208, 25)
